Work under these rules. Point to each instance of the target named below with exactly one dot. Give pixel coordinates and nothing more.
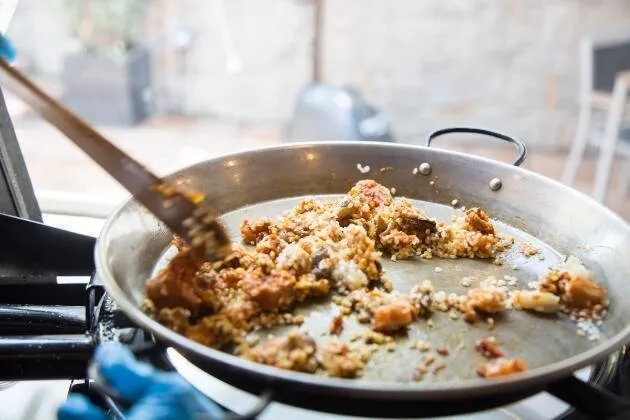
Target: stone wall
(506, 64)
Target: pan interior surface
(553, 218)
(540, 340)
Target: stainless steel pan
(556, 219)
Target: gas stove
(49, 326)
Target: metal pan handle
(520, 146)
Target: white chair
(604, 86)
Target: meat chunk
(584, 293)
(294, 352)
(501, 367)
(477, 220)
(489, 348)
(393, 316)
(336, 324)
(274, 292)
(574, 284)
(252, 232)
(402, 215)
(339, 361)
(371, 193)
(174, 285)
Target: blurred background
(179, 81)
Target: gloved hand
(6, 49)
(154, 394)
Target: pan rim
(539, 376)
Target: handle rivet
(495, 184)
(425, 168)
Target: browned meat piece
(215, 331)
(336, 325)
(393, 316)
(574, 286)
(294, 352)
(401, 215)
(489, 348)
(339, 362)
(371, 193)
(252, 232)
(273, 293)
(409, 219)
(501, 367)
(584, 293)
(477, 220)
(173, 286)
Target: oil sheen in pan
(539, 339)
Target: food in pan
(333, 249)
(501, 367)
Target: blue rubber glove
(154, 394)
(6, 49)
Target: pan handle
(520, 146)
(594, 402)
